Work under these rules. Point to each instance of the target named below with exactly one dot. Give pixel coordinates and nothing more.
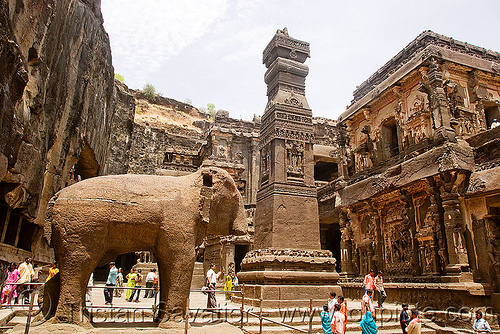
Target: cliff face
(56, 98)
(122, 127)
(167, 136)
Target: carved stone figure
(97, 219)
(295, 158)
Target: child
(325, 320)
(338, 323)
(404, 318)
(331, 303)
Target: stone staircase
(198, 280)
(387, 321)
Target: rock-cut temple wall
(57, 107)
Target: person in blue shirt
(404, 318)
(326, 320)
(480, 325)
(111, 281)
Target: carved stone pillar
(457, 254)
(287, 230)
(369, 257)
(356, 262)
(379, 242)
(408, 216)
(458, 261)
(343, 141)
(435, 254)
(346, 246)
(438, 103)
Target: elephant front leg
(74, 271)
(175, 278)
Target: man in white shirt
(480, 325)
(26, 275)
(211, 281)
(379, 285)
(150, 278)
(494, 124)
(332, 301)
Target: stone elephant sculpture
(97, 219)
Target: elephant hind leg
(163, 273)
(175, 276)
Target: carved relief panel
(398, 241)
(265, 164)
(428, 228)
(295, 159)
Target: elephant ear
(206, 194)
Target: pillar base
(286, 278)
(286, 296)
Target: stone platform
(288, 278)
(436, 296)
(285, 296)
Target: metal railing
(250, 313)
(259, 315)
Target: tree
(149, 92)
(188, 101)
(119, 77)
(211, 110)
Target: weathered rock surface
(122, 127)
(57, 100)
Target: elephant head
(221, 206)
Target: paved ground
(197, 300)
(142, 316)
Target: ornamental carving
(222, 152)
(265, 162)
(293, 101)
(294, 118)
(419, 105)
(289, 256)
(295, 158)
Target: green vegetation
(210, 109)
(119, 77)
(149, 92)
(188, 101)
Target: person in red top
(369, 282)
(338, 321)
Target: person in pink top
(338, 323)
(369, 282)
(9, 290)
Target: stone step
(198, 279)
(316, 324)
(298, 314)
(318, 329)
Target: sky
(210, 51)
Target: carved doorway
(239, 253)
(333, 237)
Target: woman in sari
(119, 283)
(368, 325)
(9, 290)
(130, 284)
(53, 270)
(228, 286)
